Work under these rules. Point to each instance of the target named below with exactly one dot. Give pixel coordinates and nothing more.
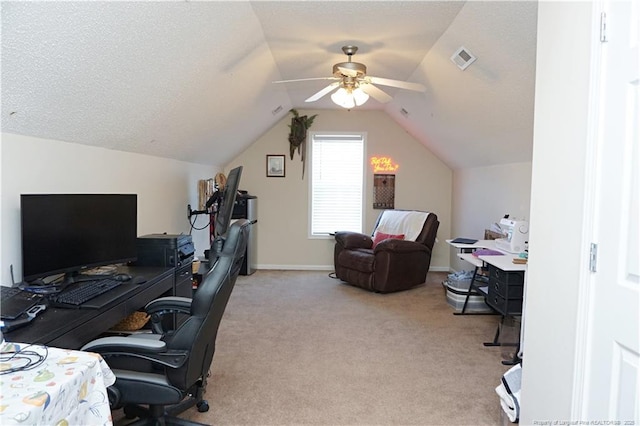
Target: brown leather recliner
(393, 264)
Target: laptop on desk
(15, 302)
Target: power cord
(193, 224)
(28, 359)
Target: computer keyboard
(83, 292)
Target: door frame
(591, 217)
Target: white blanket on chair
(396, 222)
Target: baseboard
(297, 267)
(326, 268)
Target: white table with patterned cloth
(62, 387)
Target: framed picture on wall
(275, 165)
(384, 191)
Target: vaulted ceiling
(193, 81)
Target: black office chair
(167, 372)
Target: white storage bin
(456, 287)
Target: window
(337, 174)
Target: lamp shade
(359, 96)
(343, 98)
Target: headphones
(43, 288)
(38, 286)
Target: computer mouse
(122, 277)
(138, 280)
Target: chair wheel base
(203, 406)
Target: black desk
(72, 328)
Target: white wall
(565, 34)
(165, 187)
(483, 195)
(33, 165)
(422, 182)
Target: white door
(612, 375)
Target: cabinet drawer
(183, 284)
(183, 273)
(507, 277)
(507, 291)
(505, 306)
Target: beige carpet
(302, 348)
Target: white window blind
(337, 174)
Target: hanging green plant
(298, 135)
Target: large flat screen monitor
(225, 209)
(224, 213)
(67, 233)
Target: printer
(165, 250)
(517, 236)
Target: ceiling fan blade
(322, 92)
(306, 79)
(375, 93)
(348, 72)
(397, 83)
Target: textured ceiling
(193, 80)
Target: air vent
(463, 58)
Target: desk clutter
(45, 385)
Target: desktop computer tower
(246, 207)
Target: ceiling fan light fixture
(343, 98)
(359, 96)
(354, 85)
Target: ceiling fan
(354, 85)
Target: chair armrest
(166, 305)
(400, 246)
(353, 240)
(125, 344)
(171, 303)
(154, 351)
